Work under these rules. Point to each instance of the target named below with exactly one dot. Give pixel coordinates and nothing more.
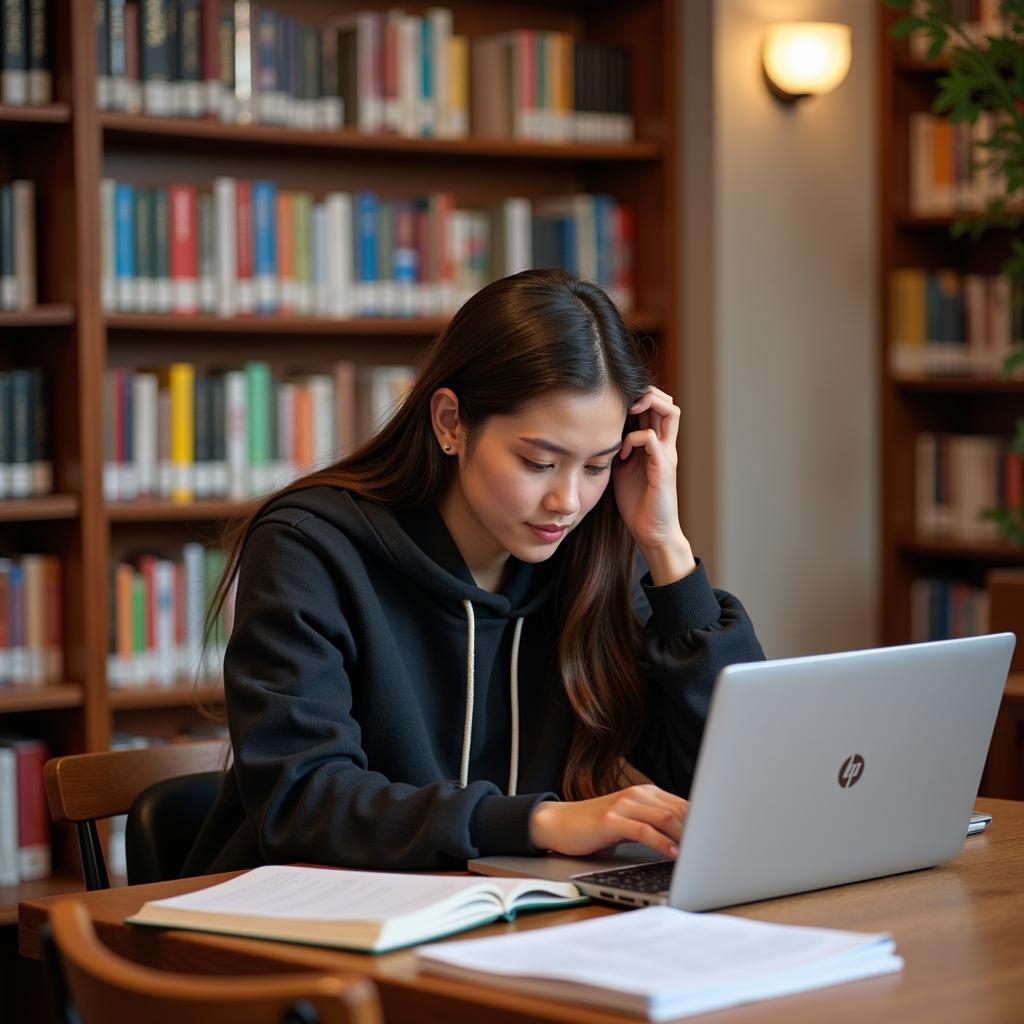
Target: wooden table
(959, 927)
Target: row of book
(373, 71)
(31, 617)
(24, 816)
(942, 321)
(18, 245)
(958, 477)
(942, 609)
(157, 615)
(250, 247)
(26, 68)
(238, 434)
(949, 170)
(26, 468)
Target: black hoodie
(348, 681)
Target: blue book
(367, 217)
(264, 231)
(426, 78)
(16, 611)
(604, 209)
(569, 230)
(124, 245)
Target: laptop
(815, 772)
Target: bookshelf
(69, 146)
(913, 403)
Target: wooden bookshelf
(54, 314)
(56, 885)
(954, 403)
(68, 147)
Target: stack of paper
(663, 963)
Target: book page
(321, 894)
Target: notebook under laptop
(819, 771)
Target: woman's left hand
(645, 488)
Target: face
(530, 478)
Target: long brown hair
(517, 339)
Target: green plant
(985, 75)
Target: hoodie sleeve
(300, 768)
(691, 633)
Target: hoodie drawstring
(467, 729)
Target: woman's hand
(645, 488)
(638, 814)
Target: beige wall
(780, 269)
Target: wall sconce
(805, 58)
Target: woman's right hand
(637, 814)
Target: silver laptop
(815, 772)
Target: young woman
(444, 646)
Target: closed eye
(598, 470)
(537, 467)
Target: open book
(362, 910)
(662, 963)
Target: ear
(444, 418)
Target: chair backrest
(102, 986)
(163, 821)
(83, 788)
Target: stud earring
(446, 448)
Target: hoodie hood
(418, 544)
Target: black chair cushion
(164, 821)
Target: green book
(257, 375)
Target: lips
(548, 533)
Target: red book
(1013, 468)
(34, 861)
(526, 100)
(147, 566)
(184, 248)
(244, 254)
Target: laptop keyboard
(655, 877)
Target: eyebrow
(550, 446)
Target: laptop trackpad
(555, 867)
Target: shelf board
(127, 126)
(52, 506)
(12, 895)
(962, 550)
(960, 385)
(19, 697)
(52, 113)
(179, 695)
(54, 314)
(409, 327)
(153, 511)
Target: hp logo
(851, 771)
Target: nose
(563, 499)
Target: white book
(409, 38)
(364, 910)
(108, 274)
(192, 559)
(661, 963)
(226, 243)
(145, 388)
(165, 653)
(9, 873)
(236, 409)
(24, 194)
(321, 389)
(340, 291)
(518, 235)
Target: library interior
(808, 216)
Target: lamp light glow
(805, 58)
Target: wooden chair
(100, 986)
(83, 788)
